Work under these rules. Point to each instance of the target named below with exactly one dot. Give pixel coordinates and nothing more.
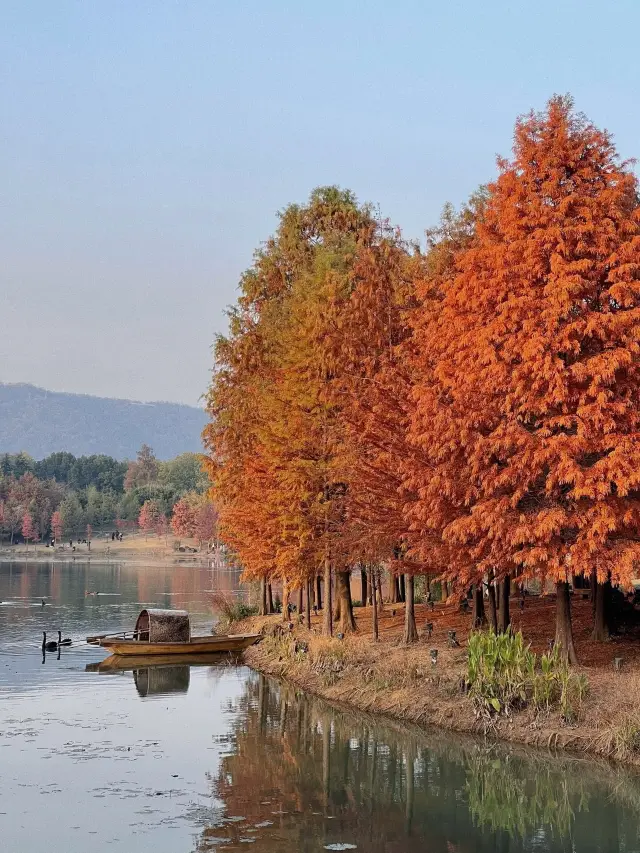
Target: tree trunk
(410, 630)
(504, 592)
(564, 630)
(319, 593)
(394, 590)
(271, 608)
(285, 601)
(491, 590)
(374, 608)
(347, 623)
(363, 587)
(327, 624)
(403, 589)
(263, 597)
(301, 599)
(478, 617)
(380, 598)
(601, 611)
(307, 612)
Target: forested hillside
(42, 422)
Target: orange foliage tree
(527, 399)
(148, 516)
(471, 411)
(275, 438)
(183, 518)
(28, 528)
(56, 526)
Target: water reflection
(158, 680)
(304, 776)
(133, 752)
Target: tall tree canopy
(470, 411)
(528, 400)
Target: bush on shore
(504, 675)
(230, 610)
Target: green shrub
(504, 675)
(230, 610)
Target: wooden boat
(196, 645)
(168, 632)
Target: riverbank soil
(402, 681)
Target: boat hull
(195, 646)
(118, 663)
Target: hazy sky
(145, 148)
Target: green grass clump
(504, 675)
(230, 610)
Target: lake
(179, 759)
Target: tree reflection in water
(303, 775)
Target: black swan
(65, 642)
(50, 646)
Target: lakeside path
(400, 682)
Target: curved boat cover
(163, 626)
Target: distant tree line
(64, 496)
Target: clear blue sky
(145, 148)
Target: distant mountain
(41, 422)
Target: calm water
(208, 758)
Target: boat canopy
(163, 626)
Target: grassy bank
(600, 717)
(135, 548)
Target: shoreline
(399, 683)
(124, 559)
(136, 550)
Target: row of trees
(468, 412)
(92, 491)
(193, 516)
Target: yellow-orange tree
(371, 385)
(275, 432)
(528, 400)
